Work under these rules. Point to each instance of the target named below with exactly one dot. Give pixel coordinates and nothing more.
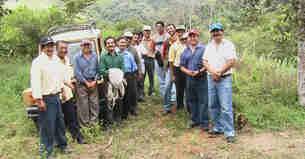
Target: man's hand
(216, 76)
(173, 78)
(71, 86)
(140, 76)
(88, 84)
(93, 84)
(41, 105)
(63, 95)
(195, 73)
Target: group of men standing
(191, 75)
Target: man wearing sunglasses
(219, 58)
(85, 68)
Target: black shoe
(230, 139)
(81, 141)
(166, 112)
(214, 134)
(141, 99)
(206, 129)
(134, 113)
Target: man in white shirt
(47, 80)
(219, 58)
(147, 49)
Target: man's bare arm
(227, 66)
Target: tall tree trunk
(300, 9)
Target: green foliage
(3, 11)
(265, 91)
(73, 7)
(22, 29)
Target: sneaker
(230, 139)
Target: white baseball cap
(146, 27)
(128, 34)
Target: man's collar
(222, 41)
(199, 45)
(91, 53)
(144, 39)
(110, 54)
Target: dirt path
(152, 136)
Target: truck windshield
(74, 48)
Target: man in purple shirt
(85, 68)
(197, 87)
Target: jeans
(197, 98)
(70, 117)
(220, 105)
(52, 126)
(170, 92)
(161, 73)
(180, 87)
(149, 70)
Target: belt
(147, 57)
(227, 75)
(130, 73)
(52, 94)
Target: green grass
(264, 90)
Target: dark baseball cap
(46, 40)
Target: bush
(265, 91)
(21, 30)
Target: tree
(3, 11)
(73, 7)
(300, 12)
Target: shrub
(21, 30)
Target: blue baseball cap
(216, 26)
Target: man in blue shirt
(197, 87)
(85, 69)
(130, 72)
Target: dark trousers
(140, 89)
(52, 126)
(180, 87)
(70, 117)
(149, 70)
(130, 98)
(108, 116)
(198, 100)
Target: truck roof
(74, 32)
